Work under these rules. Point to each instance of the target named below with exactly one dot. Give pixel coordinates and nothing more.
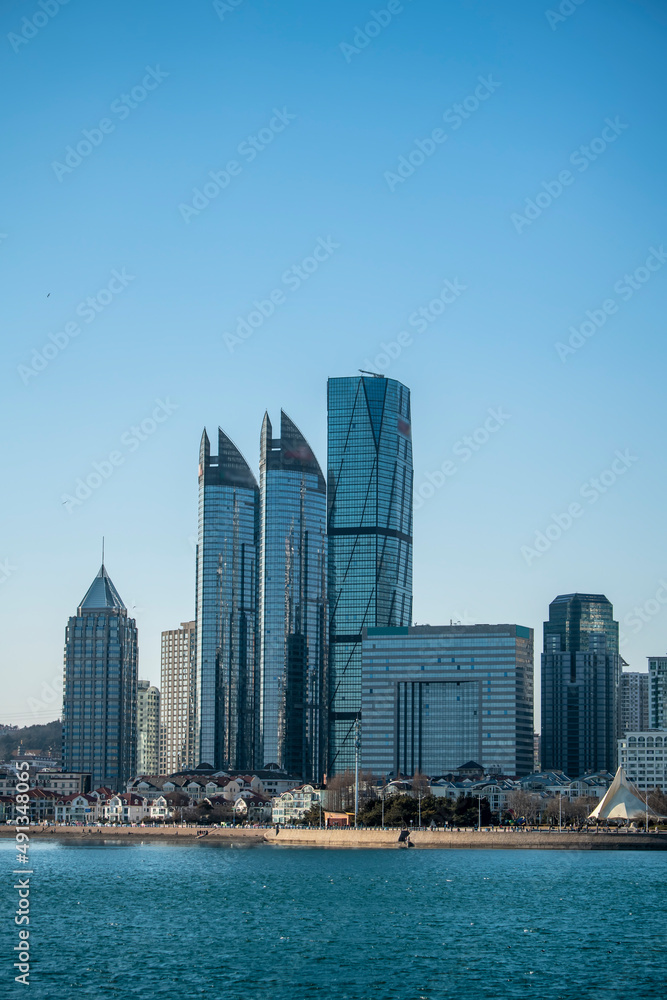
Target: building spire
(102, 551)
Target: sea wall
(495, 839)
(465, 839)
(142, 832)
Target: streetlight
(357, 745)
(419, 800)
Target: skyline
(482, 361)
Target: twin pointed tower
(260, 605)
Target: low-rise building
(7, 804)
(292, 805)
(253, 809)
(75, 809)
(65, 782)
(158, 809)
(126, 808)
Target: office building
(226, 607)
(657, 673)
(580, 680)
(643, 756)
(292, 601)
(633, 701)
(148, 728)
(177, 700)
(537, 752)
(100, 688)
(437, 697)
(369, 527)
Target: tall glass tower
(369, 527)
(226, 607)
(100, 689)
(292, 605)
(581, 670)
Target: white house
(77, 809)
(291, 806)
(126, 808)
(159, 808)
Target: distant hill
(36, 739)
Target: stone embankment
(622, 840)
(52, 832)
(498, 839)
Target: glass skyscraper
(292, 604)
(581, 670)
(369, 527)
(226, 607)
(100, 688)
(436, 697)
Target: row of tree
(400, 809)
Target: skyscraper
(657, 672)
(292, 604)
(100, 688)
(632, 701)
(580, 679)
(369, 527)
(435, 697)
(226, 606)
(177, 699)
(148, 728)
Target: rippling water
(171, 920)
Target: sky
(207, 209)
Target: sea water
(164, 919)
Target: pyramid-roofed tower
(102, 594)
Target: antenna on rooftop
(102, 550)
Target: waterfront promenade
(305, 837)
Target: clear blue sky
(329, 173)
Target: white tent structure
(622, 802)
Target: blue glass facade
(436, 697)
(100, 688)
(226, 607)
(292, 605)
(369, 526)
(581, 670)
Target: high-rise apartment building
(148, 728)
(643, 757)
(632, 701)
(369, 528)
(292, 601)
(226, 607)
(100, 688)
(436, 697)
(580, 679)
(657, 673)
(177, 699)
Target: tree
(313, 816)
(467, 811)
(341, 790)
(581, 808)
(657, 801)
(524, 805)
